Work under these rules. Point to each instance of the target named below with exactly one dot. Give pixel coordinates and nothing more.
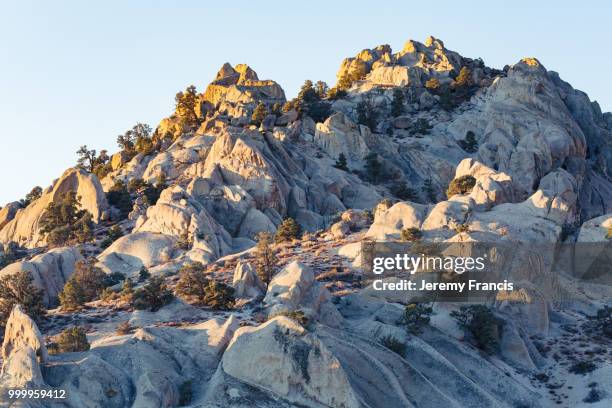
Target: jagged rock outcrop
(236, 90)
(24, 227)
(8, 212)
(294, 288)
(49, 271)
(177, 214)
(246, 283)
(539, 217)
(23, 350)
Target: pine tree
(63, 222)
(373, 167)
(397, 104)
(18, 288)
(265, 257)
(341, 163)
(192, 283)
(186, 107)
(287, 230)
(259, 114)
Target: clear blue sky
(75, 72)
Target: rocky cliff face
(539, 153)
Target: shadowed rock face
(24, 227)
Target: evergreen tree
(72, 340)
(259, 114)
(18, 288)
(186, 107)
(321, 89)
(373, 167)
(119, 197)
(341, 163)
(265, 257)
(89, 160)
(469, 144)
(63, 222)
(192, 283)
(32, 196)
(287, 230)
(397, 104)
(153, 295)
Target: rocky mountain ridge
(233, 162)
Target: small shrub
(143, 274)
(401, 190)
(113, 234)
(394, 345)
(582, 367)
(287, 230)
(32, 196)
(259, 113)
(297, 315)
(421, 127)
(341, 163)
(460, 228)
(192, 283)
(265, 257)
(108, 295)
(461, 185)
(397, 104)
(124, 328)
(127, 291)
(153, 295)
(84, 285)
(603, 321)
(469, 144)
(18, 288)
(373, 168)
(480, 321)
(368, 113)
(119, 197)
(417, 316)
(185, 393)
(593, 396)
(429, 190)
(219, 296)
(73, 339)
(185, 241)
(411, 234)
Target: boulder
(340, 229)
(338, 134)
(281, 357)
(50, 271)
(8, 212)
(287, 118)
(246, 283)
(21, 332)
(255, 222)
(596, 230)
(131, 252)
